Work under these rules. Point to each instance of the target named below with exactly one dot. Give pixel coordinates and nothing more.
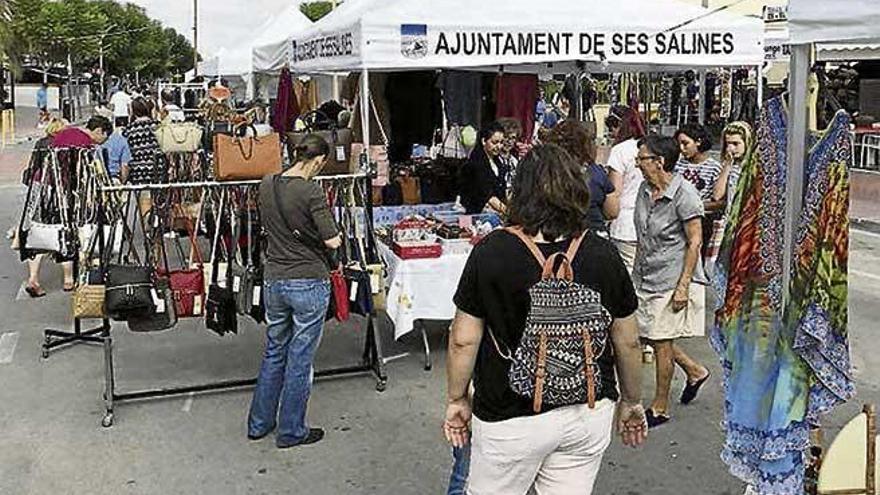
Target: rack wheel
(381, 386)
(428, 365)
(107, 422)
(45, 353)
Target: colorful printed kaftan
(783, 367)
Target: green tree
(316, 10)
(46, 31)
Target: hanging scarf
(779, 366)
(286, 109)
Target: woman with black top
(483, 179)
(558, 449)
(141, 136)
(300, 230)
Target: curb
(866, 224)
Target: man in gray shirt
(668, 275)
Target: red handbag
(340, 294)
(188, 284)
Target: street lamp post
(195, 37)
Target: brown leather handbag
(246, 158)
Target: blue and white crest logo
(414, 40)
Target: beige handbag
(179, 137)
(88, 301)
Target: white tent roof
(422, 34)
(240, 57)
(836, 21)
(269, 52)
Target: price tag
(257, 291)
(236, 284)
(340, 154)
(375, 283)
(155, 296)
(160, 307)
(354, 291)
(197, 305)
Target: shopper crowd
(596, 261)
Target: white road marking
(22, 293)
(859, 273)
(8, 342)
(188, 403)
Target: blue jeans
(460, 469)
(295, 312)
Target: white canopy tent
(240, 60)
(840, 21)
(424, 34)
(268, 52)
(520, 36)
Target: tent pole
(759, 77)
(366, 115)
(796, 155)
(701, 110)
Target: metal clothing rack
(372, 360)
(53, 338)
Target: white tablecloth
(420, 289)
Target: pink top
(72, 137)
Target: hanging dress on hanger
(783, 367)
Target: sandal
(692, 389)
(68, 287)
(655, 420)
(35, 292)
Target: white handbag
(44, 237)
(179, 137)
(88, 231)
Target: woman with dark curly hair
(580, 142)
(701, 170)
(518, 442)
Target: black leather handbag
(164, 316)
(129, 286)
(220, 312)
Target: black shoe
(315, 435)
(259, 437)
(691, 390)
(655, 420)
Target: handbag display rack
(372, 360)
(72, 176)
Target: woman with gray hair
(668, 275)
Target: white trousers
(557, 452)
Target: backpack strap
(565, 270)
(529, 242)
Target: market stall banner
(425, 34)
(419, 45)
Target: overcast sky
(222, 23)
